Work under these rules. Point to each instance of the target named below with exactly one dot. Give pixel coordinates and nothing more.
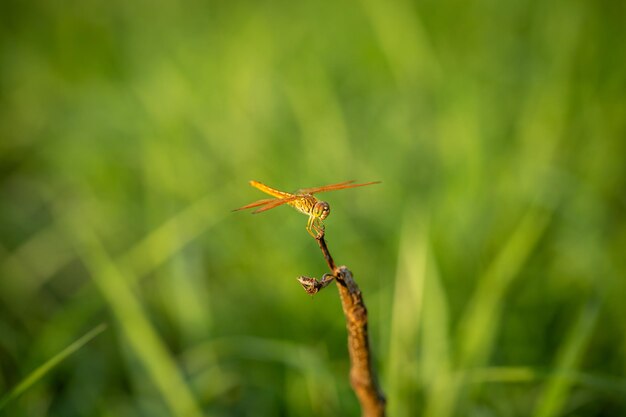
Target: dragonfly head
(321, 209)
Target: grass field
(491, 258)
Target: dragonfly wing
(275, 203)
(256, 204)
(339, 186)
(317, 189)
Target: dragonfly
(302, 200)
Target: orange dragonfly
(303, 201)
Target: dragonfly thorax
(321, 209)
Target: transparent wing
(267, 204)
(256, 204)
(333, 187)
(275, 203)
(316, 189)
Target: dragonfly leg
(315, 227)
(309, 226)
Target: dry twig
(362, 376)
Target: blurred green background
(491, 257)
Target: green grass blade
(480, 322)
(436, 367)
(135, 325)
(46, 367)
(404, 41)
(171, 236)
(522, 374)
(552, 401)
(406, 315)
(479, 326)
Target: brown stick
(362, 376)
(324, 248)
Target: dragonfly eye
(322, 209)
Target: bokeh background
(491, 257)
